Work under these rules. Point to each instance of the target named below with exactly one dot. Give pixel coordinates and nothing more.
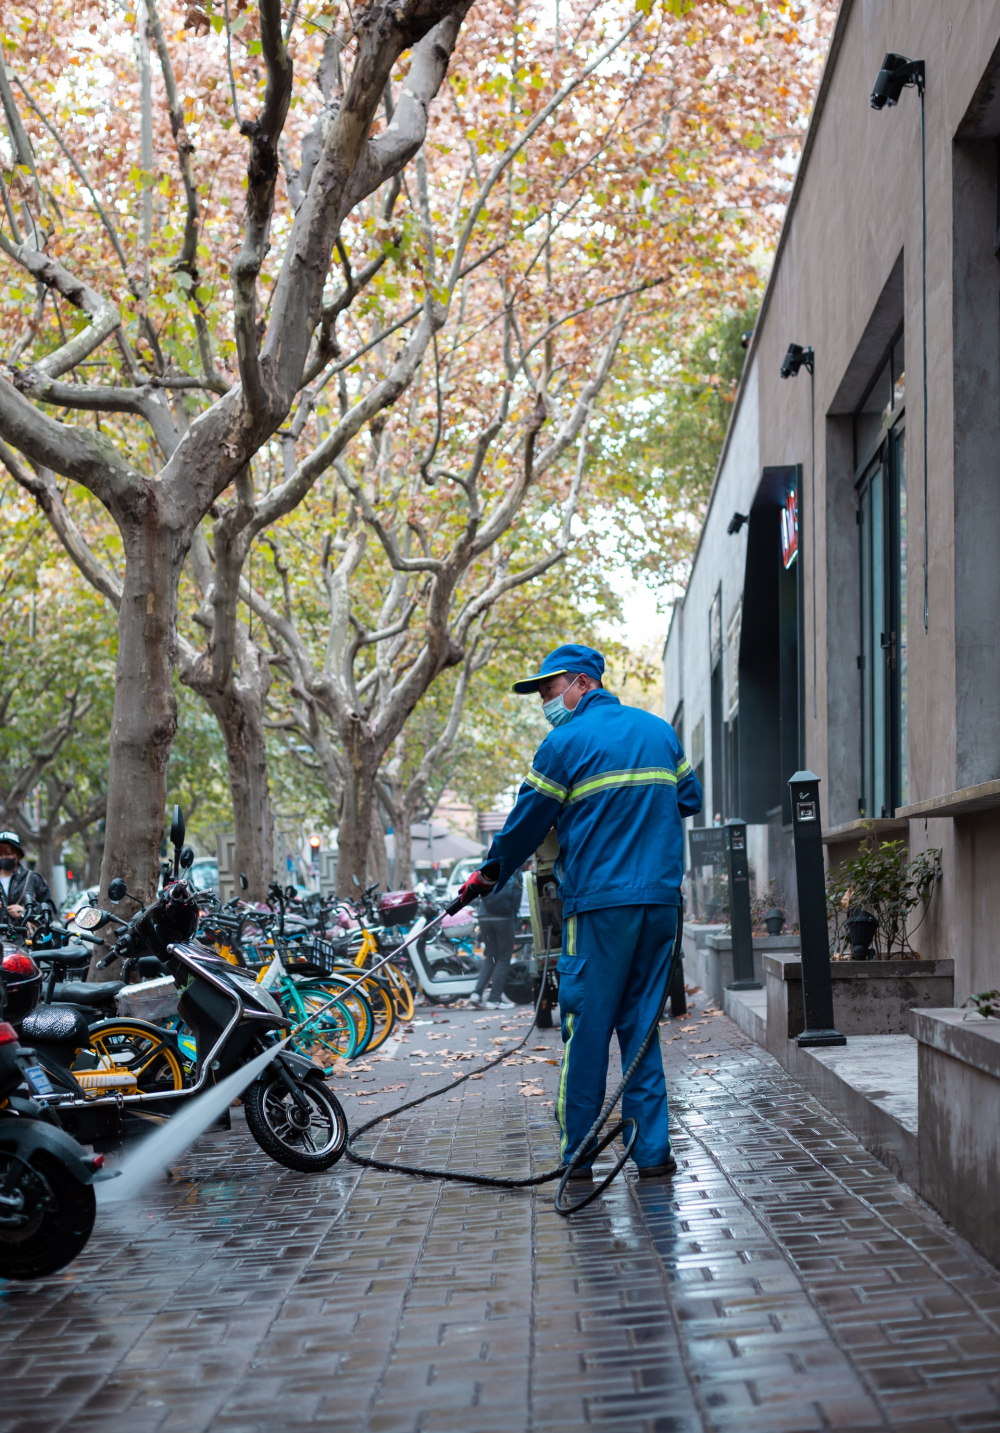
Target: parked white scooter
(443, 973)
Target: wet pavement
(783, 1281)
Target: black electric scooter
(47, 1202)
(289, 1110)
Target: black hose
(563, 1171)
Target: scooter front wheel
(46, 1218)
(299, 1139)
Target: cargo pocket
(571, 964)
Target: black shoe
(660, 1171)
(584, 1176)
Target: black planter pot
(863, 928)
(774, 920)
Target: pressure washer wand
(452, 910)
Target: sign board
(707, 845)
(790, 528)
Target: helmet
(22, 982)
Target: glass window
(715, 627)
(883, 402)
(883, 658)
(871, 414)
(898, 373)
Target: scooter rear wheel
(285, 1133)
(59, 1215)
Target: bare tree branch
(103, 315)
(262, 174)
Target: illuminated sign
(790, 528)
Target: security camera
(797, 357)
(896, 73)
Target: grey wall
(976, 330)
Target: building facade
(843, 611)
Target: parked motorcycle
(289, 1110)
(47, 1203)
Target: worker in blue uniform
(615, 783)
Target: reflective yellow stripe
(684, 767)
(571, 935)
(545, 785)
(608, 780)
(561, 1097)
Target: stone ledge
(748, 1009)
(963, 802)
(963, 1034)
(790, 968)
(883, 826)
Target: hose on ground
(585, 1151)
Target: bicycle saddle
(78, 992)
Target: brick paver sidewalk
(783, 1281)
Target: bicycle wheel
(379, 997)
(335, 1031)
(402, 995)
(121, 1049)
(357, 1004)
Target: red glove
(478, 884)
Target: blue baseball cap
(569, 660)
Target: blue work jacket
(615, 783)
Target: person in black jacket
(497, 917)
(18, 883)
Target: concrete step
(870, 1083)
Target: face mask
(7, 863)
(556, 711)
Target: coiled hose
(585, 1149)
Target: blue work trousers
(613, 976)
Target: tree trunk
(239, 711)
(378, 861)
(361, 763)
(402, 844)
(145, 711)
(45, 855)
(94, 840)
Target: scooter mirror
(91, 918)
(244, 883)
(187, 857)
(117, 891)
(177, 827)
(290, 893)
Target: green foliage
(197, 776)
(882, 879)
(986, 1004)
(657, 444)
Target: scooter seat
(78, 992)
(73, 954)
(55, 1023)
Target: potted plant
(871, 899)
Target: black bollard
(740, 923)
(810, 878)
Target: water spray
(173, 1138)
(181, 1130)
